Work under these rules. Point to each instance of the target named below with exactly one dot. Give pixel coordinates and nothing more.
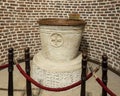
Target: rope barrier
(102, 84)
(105, 87)
(10, 69)
(64, 88)
(3, 66)
(48, 88)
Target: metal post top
(104, 57)
(27, 49)
(10, 49)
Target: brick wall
(18, 26)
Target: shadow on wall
(84, 45)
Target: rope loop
(48, 88)
(64, 88)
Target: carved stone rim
(61, 22)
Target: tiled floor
(92, 86)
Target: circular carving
(56, 40)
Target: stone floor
(92, 86)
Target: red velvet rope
(4, 66)
(47, 88)
(60, 89)
(105, 87)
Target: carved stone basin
(60, 38)
(58, 64)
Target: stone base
(57, 74)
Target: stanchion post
(27, 68)
(104, 72)
(10, 71)
(83, 75)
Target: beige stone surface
(18, 79)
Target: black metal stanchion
(104, 72)
(27, 68)
(10, 70)
(83, 75)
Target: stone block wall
(19, 28)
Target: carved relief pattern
(56, 40)
(55, 79)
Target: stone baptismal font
(58, 64)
